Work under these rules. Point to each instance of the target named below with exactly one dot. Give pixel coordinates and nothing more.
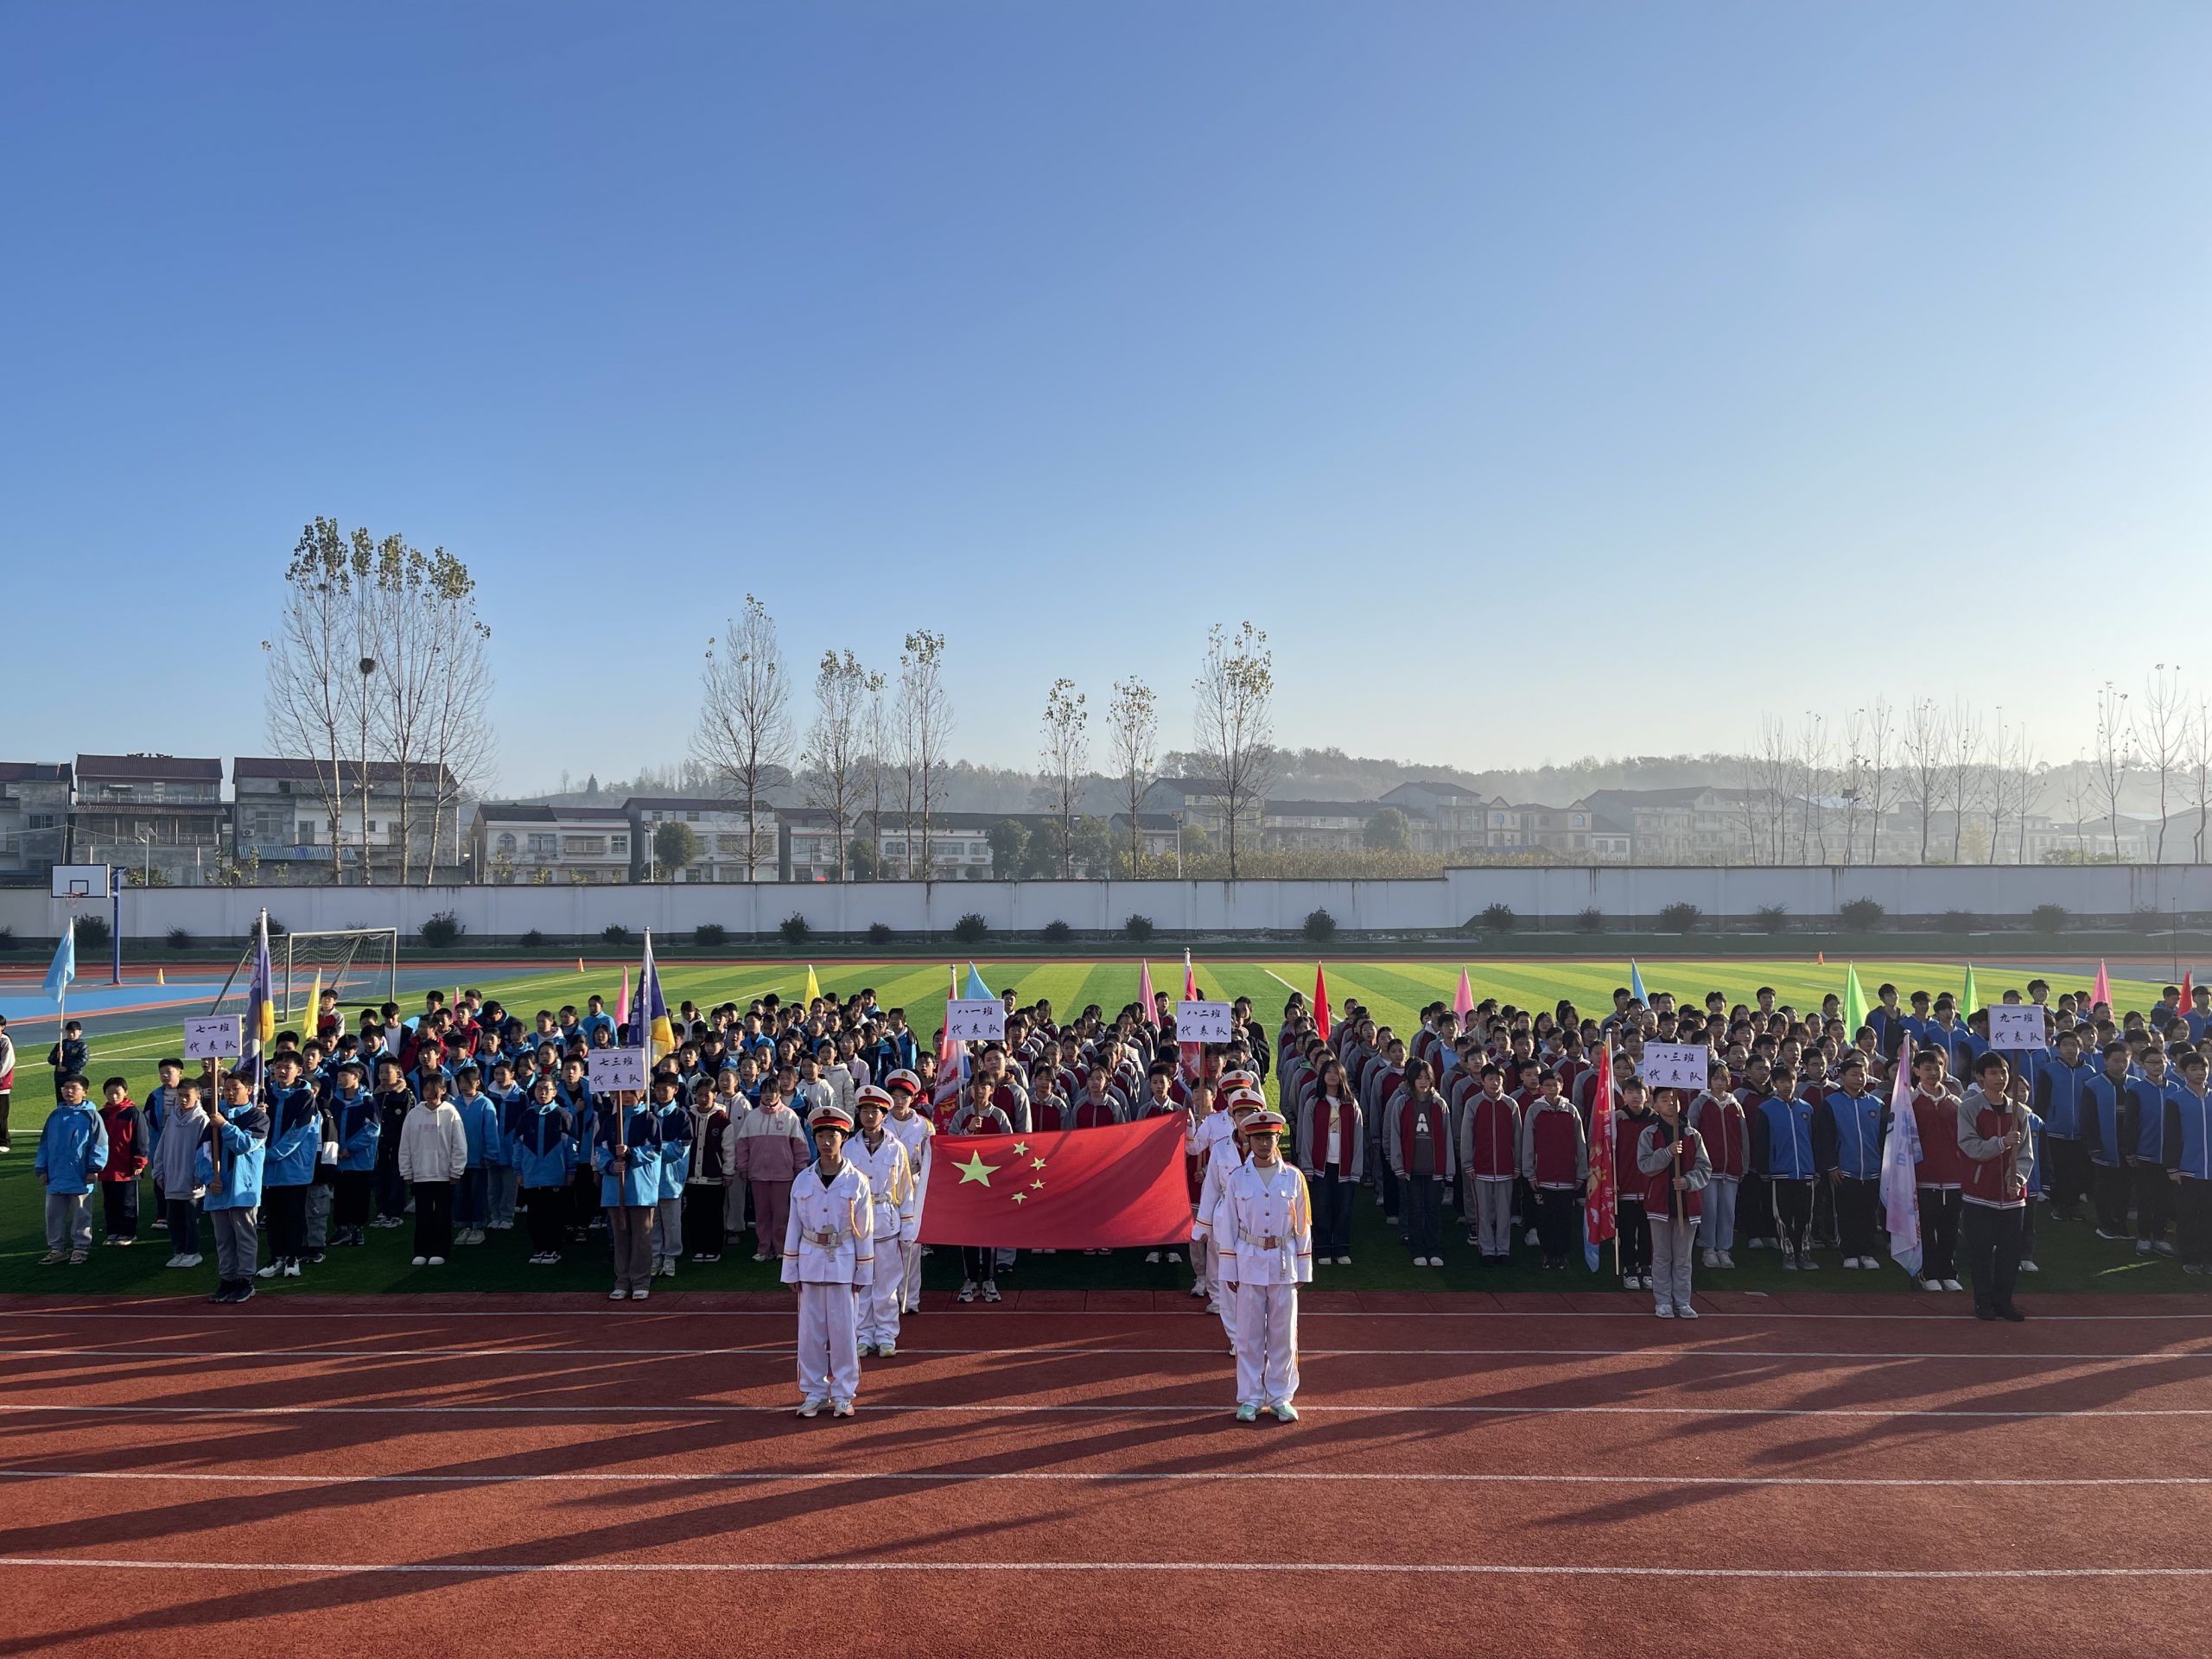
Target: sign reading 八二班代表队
(1205, 1022)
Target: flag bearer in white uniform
(882, 1156)
(828, 1255)
(1263, 1236)
(913, 1129)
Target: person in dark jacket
(128, 1149)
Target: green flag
(1854, 1004)
(1969, 998)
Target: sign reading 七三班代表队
(1674, 1065)
(617, 1068)
(2017, 1028)
(1205, 1022)
(975, 1020)
(213, 1038)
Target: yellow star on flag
(1020, 1148)
(1037, 1163)
(1019, 1197)
(975, 1170)
(1037, 1186)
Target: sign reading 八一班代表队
(975, 1020)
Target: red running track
(493, 1476)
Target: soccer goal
(354, 962)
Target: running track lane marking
(817, 1476)
(637, 1412)
(781, 1352)
(108, 1563)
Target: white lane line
(1097, 1352)
(1279, 979)
(1306, 1316)
(639, 1411)
(819, 1476)
(1471, 1569)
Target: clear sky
(1545, 379)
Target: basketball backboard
(80, 880)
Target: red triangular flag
(1320, 1003)
(2188, 991)
(2103, 991)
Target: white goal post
(355, 960)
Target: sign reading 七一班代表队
(975, 1020)
(1674, 1065)
(1205, 1022)
(213, 1038)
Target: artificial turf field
(1393, 991)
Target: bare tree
(2113, 756)
(1132, 733)
(2011, 785)
(1851, 780)
(745, 727)
(1234, 726)
(1963, 778)
(835, 758)
(1880, 772)
(2164, 726)
(311, 701)
(2077, 799)
(1065, 754)
(2198, 760)
(924, 721)
(459, 742)
(1811, 783)
(1925, 741)
(876, 738)
(2034, 783)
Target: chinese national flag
(1066, 1189)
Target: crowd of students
(465, 1117)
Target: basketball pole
(115, 926)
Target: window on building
(620, 846)
(544, 846)
(584, 846)
(506, 843)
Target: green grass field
(1393, 991)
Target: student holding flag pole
(1672, 1159)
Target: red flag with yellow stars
(1108, 1188)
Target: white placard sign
(975, 1020)
(2017, 1029)
(1205, 1022)
(212, 1039)
(617, 1068)
(1675, 1066)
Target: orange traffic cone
(160, 978)
(579, 964)
(1819, 958)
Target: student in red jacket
(1994, 1144)
(1556, 1162)
(1633, 1237)
(1717, 1118)
(1672, 1170)
(1490, 1152)
(126, 1161)
(1941, 1169)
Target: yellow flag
(813, 985)
(314, 1000)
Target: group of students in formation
(812, 1123)
(2110, 1119)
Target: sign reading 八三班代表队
(1674, 1065)
(1205, 1022)
(975, 1020)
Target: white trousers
(878, 1301)
(829, 1348)
(910, 1295)
(1265, 1331)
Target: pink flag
(1463, 1000)
(2103, 992)
(1144, 995)
(622, 1002)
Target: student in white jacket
(433, 1153)
(828, 1255)
(882, 1156)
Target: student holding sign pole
(1673, 1160)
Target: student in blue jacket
(1782, 1148)
(2186, 1150)
(2060, 1099)
(479, 1123)
(357, 1125)
(71, 1152)
(1847, 1150)
(627, 1158)
(503, 1183)
(287, 1164)
(230, 1168)
(544, 1147)
(673, 1127)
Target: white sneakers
(618, 1294)
(1342, 1261)
(421, 1261)
(1713, 1258)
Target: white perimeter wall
(1537, 896)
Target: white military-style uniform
(891, 1183)
(830, 1254)
(1227, 1160)
(1263, 1239)
(915, 1134)
(1212, 1139)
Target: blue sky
(1546, 379)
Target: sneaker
(618, 1294)
(1285, 1411)
(2116, 1238)
(1755, 1244)
(1474, 1241)
(270, 1271)
(1344, 1260)
(191, 1261)
(841, 1408)
(2142, 1247)
(421, 1261)
(990, 1290)
(811, 1407)
(1789, 1262)
(1931, 1284)
(760, 1256)
(1420, 1260)
(1664, 1313)
(317, 1259)
(1953, 1284)
(1727, 1260)
(1809, 1265)
(1988, 1315)
(1713, 1258)
(1850, 1260)
(1630, 1281)
(864, 1350)
(437, 1261)
(77, 1258)
(1176, 1257)
(2030, 1267)
(966, 1291)
(1684, 1311)
(291, 1270)
(1247, 1413)
(2163, 1247)
(51, 1257)
(1152, 1258)
(2011, 1316)
(1197, 1290)
(222, 1292)
(885, 1349)
(244, 1292)
(1532, 1238)
(174, 1261)
(2196, 1267)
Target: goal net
(354, 962)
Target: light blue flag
(977, 991)
(1636, 982)
(63, 967)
